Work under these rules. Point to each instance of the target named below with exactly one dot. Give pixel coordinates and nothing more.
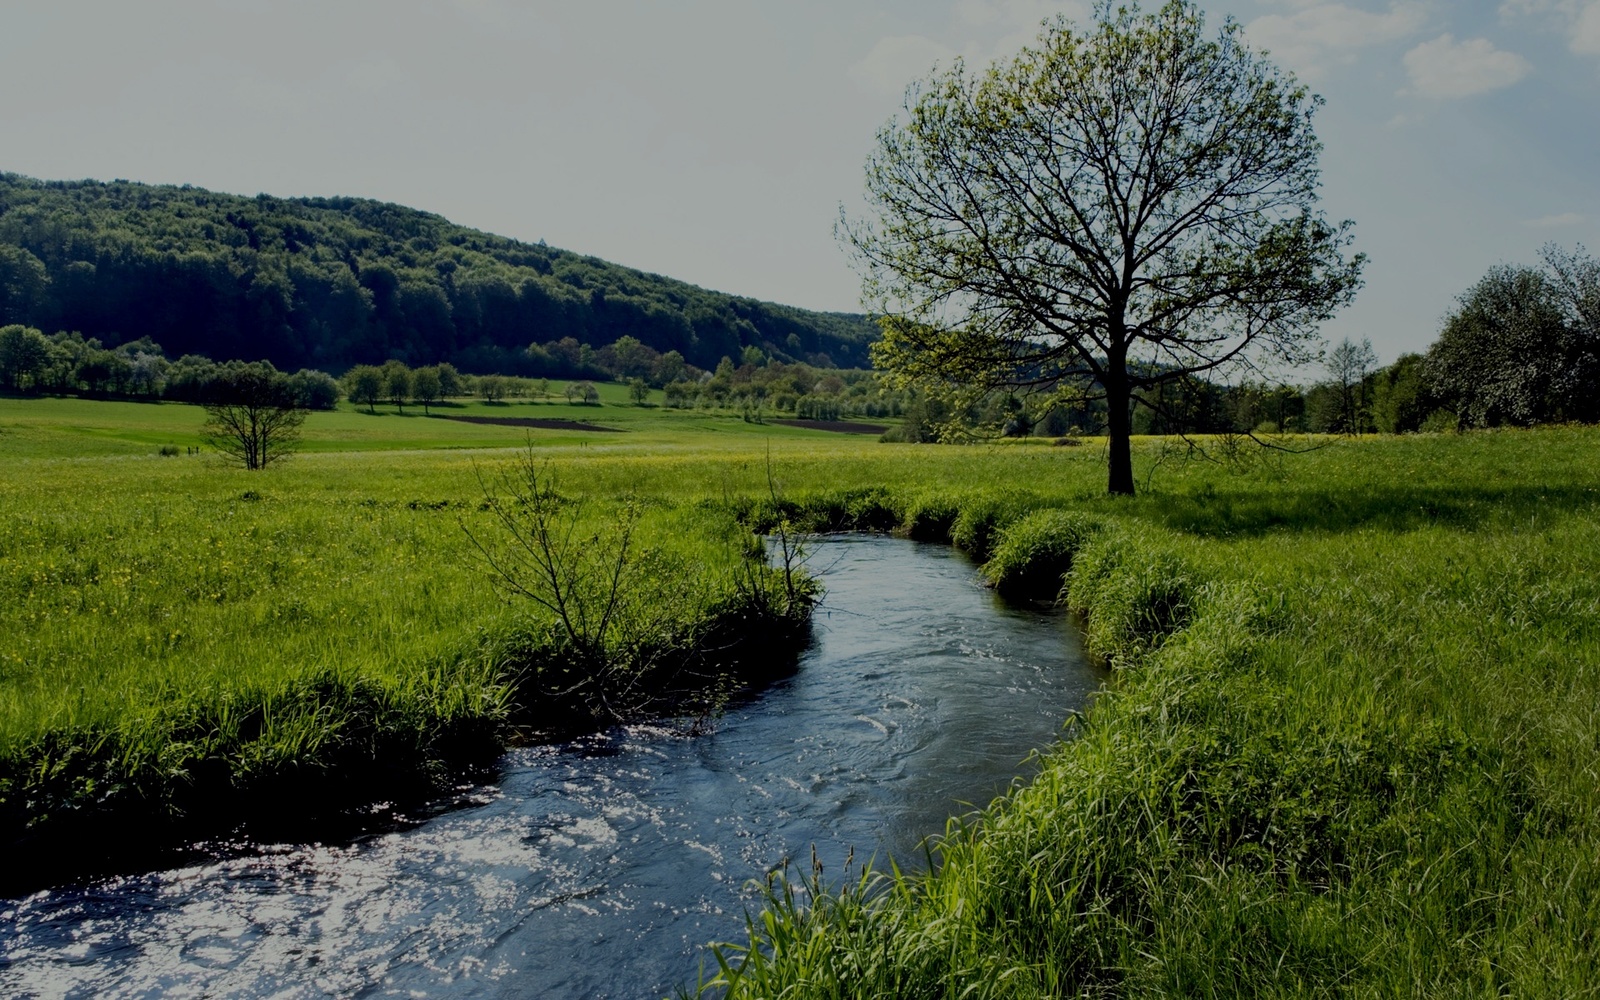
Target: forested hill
(329, 282)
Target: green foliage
(335, 281)
(365, 384)
(253, 414)
(1523, 347)
(427, 387)
(1124, 206)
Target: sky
(717, 141)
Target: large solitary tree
(1117, 207)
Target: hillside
(330, 282)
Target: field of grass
(1352, 747)
(180, 639)
(62, 427)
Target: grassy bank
(185, 647)
(1352, 749)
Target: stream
(602, 867)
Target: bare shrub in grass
(621, 630)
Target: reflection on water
(602, 867)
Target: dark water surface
(600, 868)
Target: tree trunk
(1119, 429)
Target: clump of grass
(1035, 553)
(929, 516)
(984, 515)
(1133, 593)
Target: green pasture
(1350, 748)
(70, 427)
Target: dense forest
(331, 282)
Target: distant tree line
(71, 364)
(331, 282)
(756, 389)
(1521, 347)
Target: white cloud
(1320, 35)
(1584, 35)
(894, 62)
(1018, 13)
(1580, 19)
(1446, 68)
(1556, 221)
(991, 29)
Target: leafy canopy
(1120, 207)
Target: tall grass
(183, 646)
(1352, 750)
(1352, 747)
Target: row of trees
(71, 364)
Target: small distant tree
(364, 384)
(492, 388)
(631, 358)
(24, 352)
(1350, 364)
(1519, 349)
(252, 414)
(1399, 397)
(314, 389)
(639, 390)
(397, 383)
(451, 384)
(426, 386)
(680, 394)
(588, 393)
(671, 368)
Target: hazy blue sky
(714, 140)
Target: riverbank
(1352, 739)
(598, 866)
(190, 652)
(1351, 748)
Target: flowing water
(602, 867)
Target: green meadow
(1351, 746)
